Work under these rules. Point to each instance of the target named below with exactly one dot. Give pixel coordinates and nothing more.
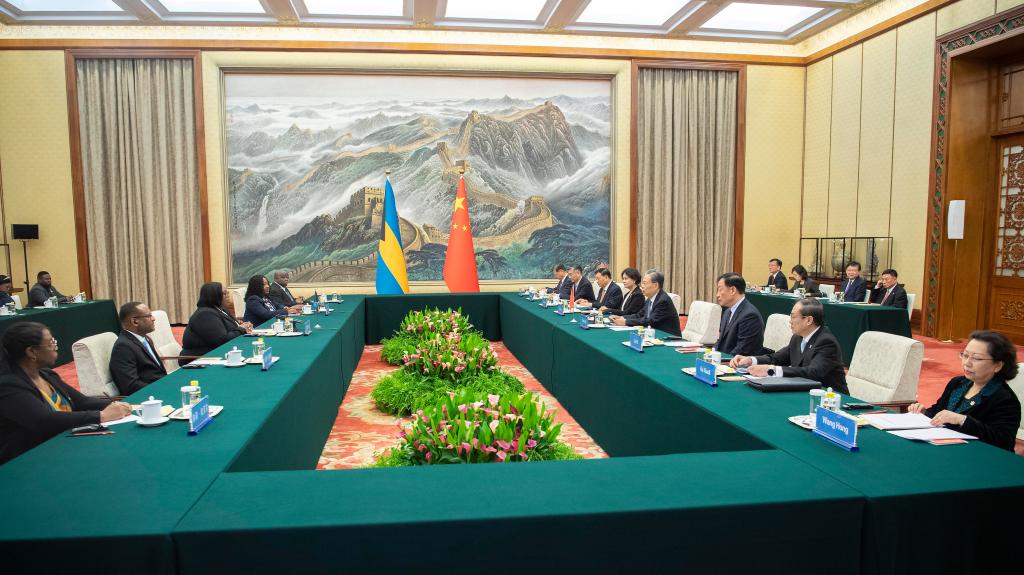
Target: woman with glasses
(632, 298)
(35, 404)
(979, 402)
(211, 325)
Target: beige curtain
(141, 187)
(686, 147)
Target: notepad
(891, 421)
(684, 344)
(930, 434)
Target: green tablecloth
(69, 323)
(241, 496)
(846, 320)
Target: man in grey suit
(44, 290)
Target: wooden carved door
(1006, 309)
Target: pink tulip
(466, 447)
(530, 444)
(493, 399)
(493, 425)
(429, 456)
(463, 408)
(503, 444)
(478, 404)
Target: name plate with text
(706, 373)
(837, 428)
(584, 322)
(268, 358)
(636, 341)
(199, 415)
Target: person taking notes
(657, 311)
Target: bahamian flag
(391, 276)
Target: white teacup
(234, 357)
(149, 411)
(307, 309)
(278, 326)
(48, 303)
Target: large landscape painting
(307, 155)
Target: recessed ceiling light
(522, 10)
(214, 6)
(65, 6)
(620, 12)
(759, 17)
(356, 7)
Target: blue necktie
(803, 344)
(647, 316)
(149, 348)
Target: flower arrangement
(421, 326)
(473, 427)
(439, 352)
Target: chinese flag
(572, 297)
(460, 260)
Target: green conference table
(700, 479)
(69, 322)
(845, 320)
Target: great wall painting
(307, 156)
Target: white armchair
(167, 347)
(92, 363)
(885, 369)
(777, 332)
(17, 301)
(676, 301)
(827, 289)
(238, 300)
(702, 322)
(910, 305)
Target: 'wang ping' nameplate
(836, 427)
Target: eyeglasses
(148, 316)
(964, 356)
(52, 344)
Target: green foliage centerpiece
(472, 427)
(439, 352)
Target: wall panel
(817, 139)
(876, 145)
(963, 13)
(844, 156)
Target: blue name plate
(706, 373)
(836, 428)
(560, 310)
(199, 415)
(636, 341)
(268, 358)
(584, 322)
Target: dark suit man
(609, 294)
(280, 294)
(775, 276)
(5, 290)
(562, 287)
(812, 353)
(742, 329)
(888, 292)
(579, 285)
(853, 288)
(44, 290)
(134, 362)
(657, 311)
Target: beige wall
(35, 164)
(772, 169)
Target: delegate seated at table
(562, 287)
(5, 290)
(212, 324)
(813, 352)
(742, 329)
(853, 287)
(258, 305)
(580, 286)
(632, 300)
(35, 404)
(776, 278)
(888, 292)
(657, 311)
(282, 296)
(979, 402)
(609, 294)
(809, 286)
(44, 290)
(134, 361)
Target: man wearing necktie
(775, 276)
(134, 361)
(742, 327)
(854, 288)
(564, 284)
(580, 285)
(281, 295)
(609, 294)
(888, 292)
(658, 311)
(813, 352)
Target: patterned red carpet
(361, 430)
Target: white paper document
(128, 419)
(930, 434)
(210, 361)
(889, 421)
(622, 328)
(683, 343)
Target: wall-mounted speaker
(955, 220)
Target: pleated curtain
(686, 146)
(141, 186)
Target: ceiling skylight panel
(65, 5)
(388, 8)
(214, 6)
(520, 10)
(739, 16)
(630, 13)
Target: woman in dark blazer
(802, 281)
(258, 305)
(211, 325)
(632, 297)
(35, 404)
(979, 403)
